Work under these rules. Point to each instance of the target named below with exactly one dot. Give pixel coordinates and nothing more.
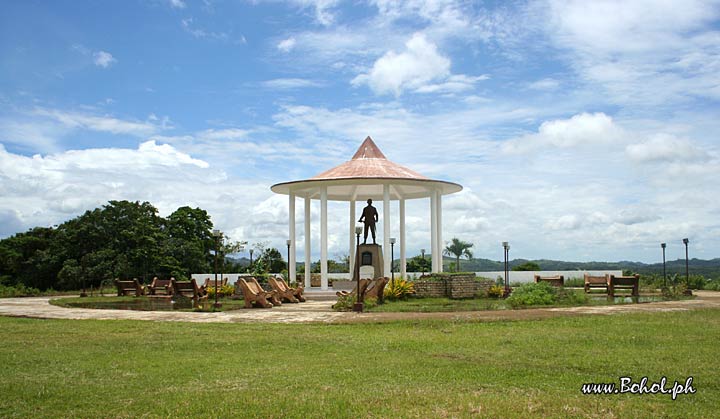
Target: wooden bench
(363, 286)
(596, 282)
(210, 283)
(557, 280)
(253, 297)
(129, 287)
(631, 283)
(271, 296)
(158, 285)
(188, 289)
(286, 293)
(376, 289)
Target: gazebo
(368, 175)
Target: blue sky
(580, 130)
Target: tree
(458, 248)
(527, 266)
(271, 260)
(418, 264)
(189, 240)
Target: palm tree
(458, 248)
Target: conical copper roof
(364, 176)
(369, 162)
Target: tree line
(119, 240)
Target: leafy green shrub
(574, 282)
(713, 285)
(527, 266)
(225, 291)
(496, 291)
(674, 291)
(18, 290)
(345, 303)
(572, 297)
(400, 291)
(532, 294)
(697, 282)
(443, 276)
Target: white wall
(515, 276)
(529, 276)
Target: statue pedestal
(369, 255)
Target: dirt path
(320, 311)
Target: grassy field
(112, 302)
(429, 369)
(441, 304)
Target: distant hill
(708, 268)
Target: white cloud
(631, 216)
(50, 189)
(641, 52)
(616, 26)
(666, 148)
(322, 9)
(545, 84)
(290, 83)
(453, 84)
(177, 4)
(222, 134)
(30, 135)
(286, 45)
(79, 120)
(413, 68)
(103, 59)
(581, 130)
(10, 221)
(565, 222)
(189, 27)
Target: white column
(351, 253)
(308, 250)
(386, 229)
(323, 239)
(291, 256)
(433, 231)
(441, 244)
(403, 264)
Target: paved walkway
(320, 311)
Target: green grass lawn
(114, 302)
(411, 369)
(442, 304)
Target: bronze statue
(369, 217)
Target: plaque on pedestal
(369, 255)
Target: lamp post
(506, 249)
(358, 231)
(218, 235)
(663, 245)
(358, 306)
(251, 252)
(422, 251)
(392, 260)
(288, 242)
(687, 267)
